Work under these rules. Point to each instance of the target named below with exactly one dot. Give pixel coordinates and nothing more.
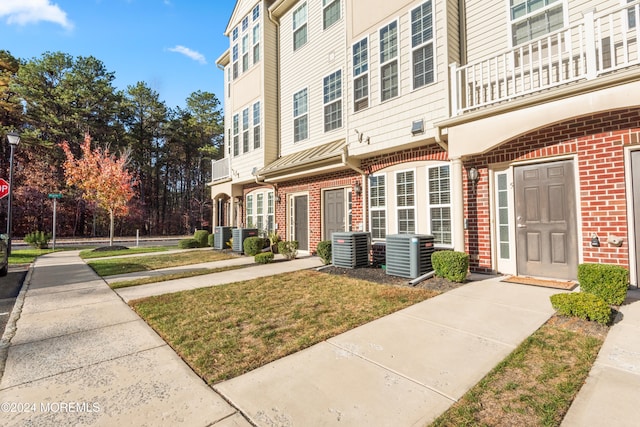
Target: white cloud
(196, 56)
(23, 12)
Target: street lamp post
(14, 140)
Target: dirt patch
(378, 275)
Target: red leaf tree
(102, 177)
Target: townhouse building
(507, 129)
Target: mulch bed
(379, 275)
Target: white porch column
(457, 200)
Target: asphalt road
(10, 286)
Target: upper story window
(361, 75)
(256, 125)
(245, 53)
(236, 133)
(234, 57)
(300, 27)
(531, 19)
(330, 12)
(300, 116)
(256, 43)
(332, 88)
(245, 130)
(389, 61)
(631, 15)
(422, 44)
(256, 12)
(234, 34)
(245, 24)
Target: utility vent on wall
(409, 255)
(221, 236)
(239, 234)
(350, 250)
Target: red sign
(4, 188)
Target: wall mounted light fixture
(357, 188)
(473, 175)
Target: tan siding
(270, 111)
(453, 33)
(487, 28)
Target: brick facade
(597, 142)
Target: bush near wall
(202, 237)
(451, 265)
(188, 244)
(288, 249)
(609, 282)
(253, 245)
(583, 305)
(324, 251)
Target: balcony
(220, 170)
(597, 45)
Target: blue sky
(172, 45)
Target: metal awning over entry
(310, 161)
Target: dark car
(4, 262)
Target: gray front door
(333, 212)
(635, 182)
(546, 236)
(301, 229)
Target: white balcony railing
(596, 45)
(220, 169)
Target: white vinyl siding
(300, 116)
(361, 75)
(405, 202)
(422, 45)
(389, 69)
(377, 203)
(330, 12)
(300, 27)
(531, 19)
(439, 188)
(332, 89)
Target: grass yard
(225, 331)
(174, 276)
(536, 383)
(26, 256)
(113, 266)
(92, 253)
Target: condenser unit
(221, 235)
(409, 255)
(350, 250)
(378, 253)
(239, 234)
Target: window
(245, 130)
(631, 15)
(256, 125)
(389, 61)
(235, 60)
(405, 201)
(249, 211)
(236, 132)
(531, 19)
(245, 53)
(270, 211)
(422, 45)
(256, 12)
(377, 203)
(256, 43)
(332, 85)
(439, 188)
(300, 118)
(234, 36)
(229, 79)
(260, 211)
(349, 210)
(245, 24)
(502, 196)
(361, 75)
(330, 12)
(300, 27)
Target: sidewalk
(81, 356)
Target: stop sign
(4, 188)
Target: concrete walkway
(81, 356)
(610, 394)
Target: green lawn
(92, 253)
(26, 256)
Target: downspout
(346, 161)
(278, 105)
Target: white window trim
(366, 74)
(325, 7)
(254, 208)
(397, 58)
(432, 42)
(415, 197)
(339, 99)
(377, 208)
(294, 29)
(625, 15)
(258, 124)
(565, 20)
(506, 266)
(438, 205)
(293, 111)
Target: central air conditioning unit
(378, 253)
(239, 234)
(350, 250)
(221, 235)
(409, 255)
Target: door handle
(522, 226)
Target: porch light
(473, 175)
(357, 188)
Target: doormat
(566, 285)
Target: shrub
(253, 245)
(451, 265)
(188, 244)
(583, 305)
(38, 239)
(324, 251)
(288, 249)
(202, 237)
(607, 281)
(210, 239)
(264, 258)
